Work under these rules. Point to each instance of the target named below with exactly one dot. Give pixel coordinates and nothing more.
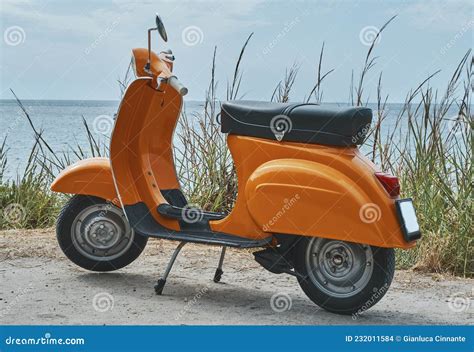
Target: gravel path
(38, 285)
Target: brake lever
(159, 82)
(167, 56)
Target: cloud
(445, 16)
(58, 18)
(87, 20)
(225, 15)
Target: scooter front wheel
(96, 235)
(344, 277)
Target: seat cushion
(296, 122)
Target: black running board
(212, 238)
(143, 223)
(178, 213)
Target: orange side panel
(309, 190)
(308, 198)
(141, 146)
(89, 177)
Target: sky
(78, 49)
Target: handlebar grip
(177, 85)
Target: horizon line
(193, 100)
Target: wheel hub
(338, 262)
(340, 269)
(101, 232)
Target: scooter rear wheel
(344, 277)
(96, 235)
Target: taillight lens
(389, 182)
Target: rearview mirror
(161, 28)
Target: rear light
(389, 182)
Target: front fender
(342, 201)
(89, 177)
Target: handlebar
(177, 85)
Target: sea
(61, 124)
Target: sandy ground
(38, 285)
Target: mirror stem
(148, 64)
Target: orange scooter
(318, 209)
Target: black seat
(296, 122)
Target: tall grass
(203, 161)
(432, 157)
(434, 163)
(26, 202)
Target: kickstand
(219, 272)
(161, 282)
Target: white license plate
(408, 220)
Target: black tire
(64, 232)
(375, 288)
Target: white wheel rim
(101, 232)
